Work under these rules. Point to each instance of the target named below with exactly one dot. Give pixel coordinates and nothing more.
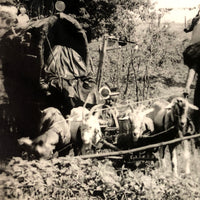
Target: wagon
(34, 78)
(30, 64)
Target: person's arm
(190, 78)
(197, 15)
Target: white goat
(85, 129)
(140, 123)
(134, 124)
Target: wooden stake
(102, 55)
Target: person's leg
(196, 113)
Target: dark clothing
(65, 79)
(196, 113)
(193, 23)
(23, 59)
(68, 78)
(191, 56)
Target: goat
(84, 128)
(53, 131)
(135, 124)
(81, 128)
(140, 123)
(167, 115)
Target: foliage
(74, 178)
(96, 16)
(137, 69)
(133, 70)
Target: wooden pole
(92, 65)
(123, 152)
(102, 55)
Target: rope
(128, 102)
(65, 147)
(157, 134)
(148, 100)
(53, 125)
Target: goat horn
(193, 106)
(148, 111)
(87, 99)
(131, 107)
(94, 108)
(169, 106)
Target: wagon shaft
(144, 148)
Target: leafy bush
(75, 178)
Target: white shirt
(22, 19)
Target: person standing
(22, 17)
(192, 60)
(191, 57)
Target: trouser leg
(196, 113)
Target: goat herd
(82, 129)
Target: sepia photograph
(99, 100)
